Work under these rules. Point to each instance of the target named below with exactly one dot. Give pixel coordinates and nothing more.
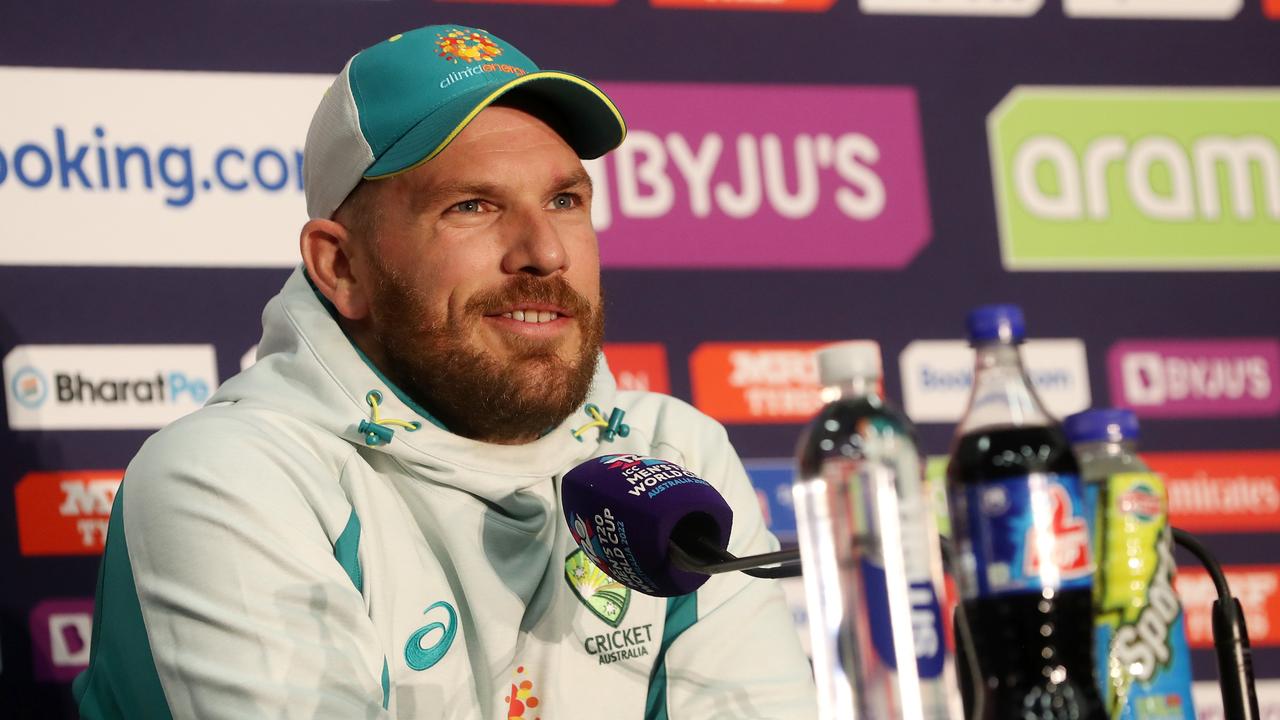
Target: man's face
(486, 273)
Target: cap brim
(585, 117)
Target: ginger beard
(441, 364)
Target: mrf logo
(761, 382)
(65, 513)
(60, 633)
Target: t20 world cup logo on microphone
(585, 536)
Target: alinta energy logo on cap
(467, 46)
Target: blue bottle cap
(1109, 424)
(997, 322)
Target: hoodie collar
(308, 368)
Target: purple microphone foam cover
(622, 510)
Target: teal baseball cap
(401, 102)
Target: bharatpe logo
(1196, 378)
(1137, 178)
(1022, 8)
(937, 377)
(763, 176)
(92, 387)
(29, 387)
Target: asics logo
(421, 657)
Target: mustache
(553, 290)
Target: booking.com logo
(70, 162)
(29, 387)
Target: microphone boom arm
(706, 558)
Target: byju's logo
(1194, 378)
(60, 632)
(1137, 178)
(763, 176)
(88, 387)
(29, 387)
(937, 376)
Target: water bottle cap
(845, 361)
(1103, 424)
(997, 322)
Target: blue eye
(564, 201)
(468, 206)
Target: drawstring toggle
(613, 427)
(378, 431)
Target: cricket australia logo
(467, 46)
(605, 597)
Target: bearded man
(366, 523)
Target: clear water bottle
(872, 568)
(1140, 641)
(1022, 537)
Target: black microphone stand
(1230, 638)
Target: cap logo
(468, 46)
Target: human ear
(327, 253)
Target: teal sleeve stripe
(386, 684)
(682, 613)
(121, 682)
(347, 550)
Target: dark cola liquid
(1024, 642)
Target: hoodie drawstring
(613, 427)
(379, 431)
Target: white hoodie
(264, 561)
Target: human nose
(537, 248)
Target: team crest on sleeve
(605, 597)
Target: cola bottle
(1022, 542)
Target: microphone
(654, 526)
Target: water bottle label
(926, 622)
(1030, 533)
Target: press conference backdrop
(798, 171)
